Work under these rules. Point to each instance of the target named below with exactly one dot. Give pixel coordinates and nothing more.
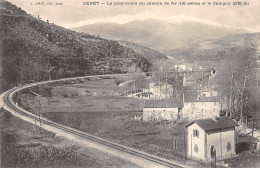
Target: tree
(177, 86)
(237, 84)
(140, 83)
(227, 71)
(245, 81)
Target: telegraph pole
(185, 157)
(134, 84)
(35, 113)
(40, 112)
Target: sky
(72, 13)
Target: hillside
(217, 49)
(160, 35)
(149, 54)
(32, 48)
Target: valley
(161, 90)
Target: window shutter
(198, 133)
(228, 146)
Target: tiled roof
(211, 124)
(164, 103)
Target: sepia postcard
(129, 84)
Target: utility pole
(166, 85)
(256, 115)
(134, 84)
(185, 157)
(37, 111)
(35, 118)
(134, 89)
(160, 85)
(40, 112)
(18, 96)
(253, 126)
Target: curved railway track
(9, 105)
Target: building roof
(194, 97)
(211, 124)
(164, 103)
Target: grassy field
(22, 146)
(94, 95)
(124, 128)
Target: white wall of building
(219, 140)
(200, 110)
(193, 141)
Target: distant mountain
(160, 35)
(32, 48)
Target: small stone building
(162, 109)
(207, 134)
(200, 107)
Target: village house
(209, 93)
(208, 136)
(162, 109)
(200, 107)
(187, 106)
(161, 91)
(164, 86)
